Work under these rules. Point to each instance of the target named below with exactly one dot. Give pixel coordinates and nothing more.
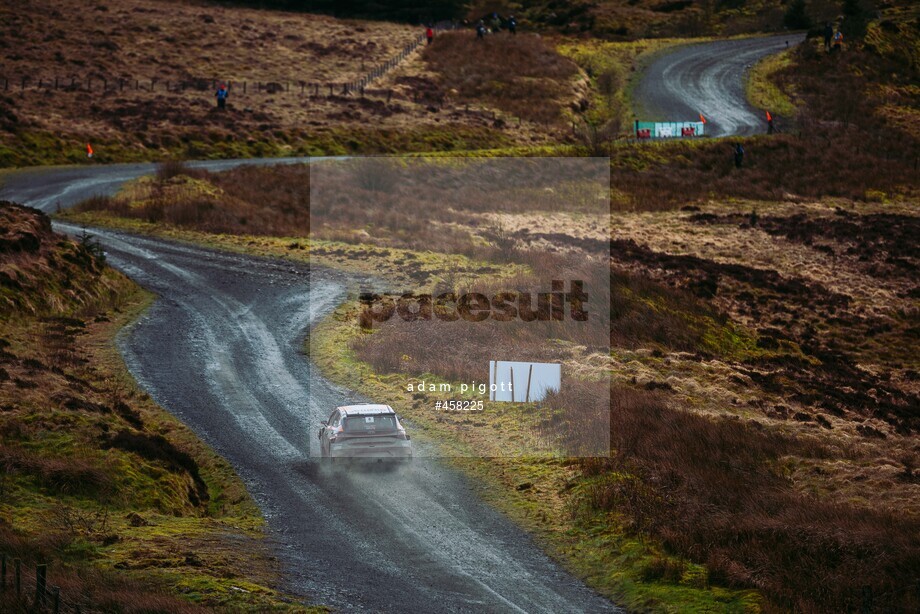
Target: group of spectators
(833, 41)
(489, 24)
(496, 23)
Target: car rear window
(376, 423)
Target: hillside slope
(127, 506)
(136, 79)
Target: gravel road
(222, 350)
(707, 78)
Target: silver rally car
(367, 430)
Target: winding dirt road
(707, 78)
(222, 350)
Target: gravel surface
(708, 78)
(222, 349)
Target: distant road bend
(708, 78)
(221, 349)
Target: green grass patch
(35, 148)
(762, 90)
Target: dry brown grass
(88, 462)
(171, 42)
(806, 490)
(841, 164)
(521, 75)
(67, 476)
(175, 40)
(88, 589)
(720, 491)
(31, 268)
(714, 491)
(387, 202)
(443, 355)
(245, 200)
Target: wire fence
(31, 590)
(301, 87)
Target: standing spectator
(496, 22)
(828, 35)
(769, 123)
(480, 29)
(838, 41)
(429, 34)
(512, 25)
(221, 95)
(739, 155)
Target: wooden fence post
(55, 600)
(41, 576)
(17, 570)
(529, 375)
(2, 573)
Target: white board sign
(522, 382)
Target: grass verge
(763, 92)
(130, 509)
(539, 494)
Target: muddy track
(221, 349)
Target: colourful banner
(667, 130)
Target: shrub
(510, 72)
(796, 16)
(712, 491)
(171, 168)
(67, 476)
